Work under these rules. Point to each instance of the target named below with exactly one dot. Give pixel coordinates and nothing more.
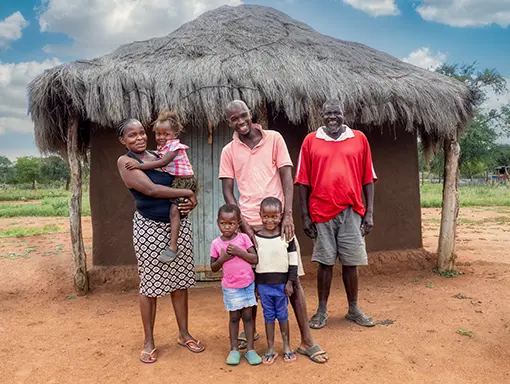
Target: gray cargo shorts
(340, 237)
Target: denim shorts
(236, 299)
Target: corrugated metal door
(206, 162)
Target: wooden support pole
(450, 209)
(80, 276)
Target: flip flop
(269, 358)
(289, 357)
(234, 358)
(318, 320)
(253, 357)
(242, 341)
(313, 352)
(193, 345)
(361, 319)
(148, 357)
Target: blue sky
(36, 35)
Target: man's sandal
(361, 319)
(318, 320)
(313, 353)
(242, 341)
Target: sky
(38, 34)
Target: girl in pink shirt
(233, 252)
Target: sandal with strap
(313, 353)
(318, 320)
(361, 319)
(269, 358)
(194, 346)
(289, 357)
(148, 357)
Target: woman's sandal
(234, 358)
(253, 357)
(289, 357)
(148, 357)
(193, 345)
(269, 358)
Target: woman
(151, 235)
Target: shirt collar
(348, 134)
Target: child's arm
(217, 262)
(159, 163)
(250, 255)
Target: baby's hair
(172, 118)
(121, 127)
(271, 202)
(230, 208)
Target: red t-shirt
(335, 171)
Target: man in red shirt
(259, 162)
(335, 165)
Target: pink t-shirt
(256, 171)
(237, 273)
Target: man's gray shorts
(340, 237)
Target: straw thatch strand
(253, 53)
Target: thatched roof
(247, 52)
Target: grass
(49, 206)
(23, 232)
(448, 274)
(18, 255)
(15, 194)
(470, 196)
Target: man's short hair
(333, 103)
(271, 202)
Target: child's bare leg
(233, 327)
(175, 222)
(170, 252)
(270, 338)
(284, 329)
(248, 327)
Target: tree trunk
(81, 283)
(450, 211)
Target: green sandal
(253, 357)
(234, 358)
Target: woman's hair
(172, 118)
(230, 208)
(124, 124)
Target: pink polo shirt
(255, 170)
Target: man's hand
(287, 227)
(246, 228)
(367, 223)
(130, 165)
(309, 227)
(289, 288)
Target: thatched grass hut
(284, 70)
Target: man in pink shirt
(259, 162)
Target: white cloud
(424, 58)
(14, 79)
(98, 26)
(10, 29)
(375, 7)
(466, 13)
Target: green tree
(480, 137)
(6, 170)
(54, 168)
(28, 169)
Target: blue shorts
(274, 302)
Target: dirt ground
(50, 336)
